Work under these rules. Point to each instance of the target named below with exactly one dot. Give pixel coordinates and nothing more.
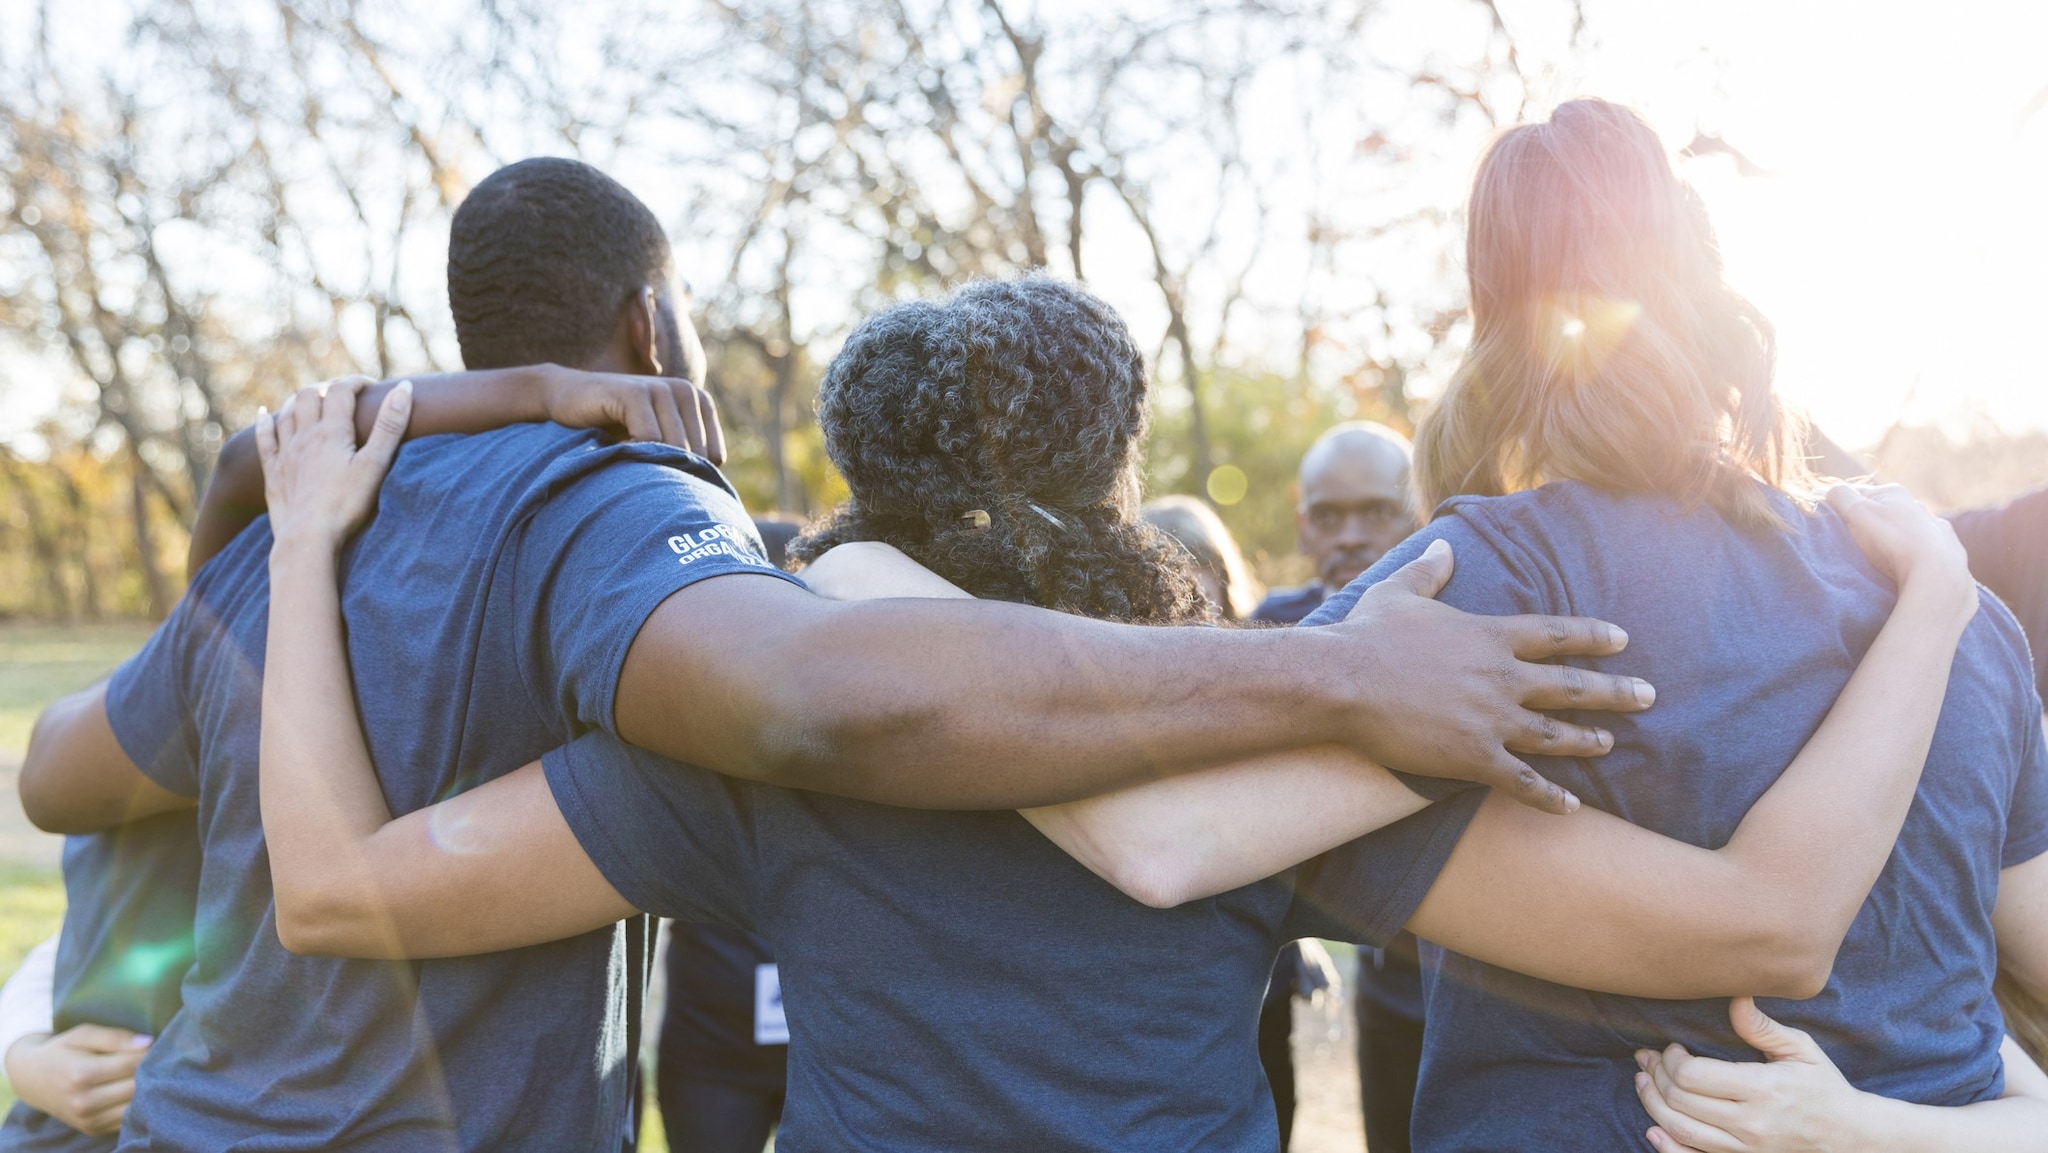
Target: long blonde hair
(1606, 346)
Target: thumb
(1845, 497)
(1777, 1042)
(392, 417)
(103, 1039)
(1426, 575)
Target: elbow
(43, 800)
(315, 923)
(1795, 958)
(1157, 880)
(1157, 888)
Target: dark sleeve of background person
(776, 533)
(2008, 547)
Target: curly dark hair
(1024, 399)
(542, 255)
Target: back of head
(542, 257)
(995, 437)
(1606, 345)
(1197, 528)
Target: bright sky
(1899, 241)
(1900, 245)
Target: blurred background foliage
(205, 204)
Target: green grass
(31, 907)
(41, 662)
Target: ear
(643, 330)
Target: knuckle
(1573, 682)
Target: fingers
(1511, 776)
(105, 1039)
(1536, 638)
(338, 403)
(107, 1121)
(1551, 737)
(389, 431)
(1843, 497)
(1426, 575)
(714, 433)
(302, 411)
(266, 438)
(102, 1070)
(683, 395)
(668, 416)
(1674, 1112)
(1664, 1143)
(1704, 1077)
(1565, 687)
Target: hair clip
(975, 520)
(1056, 522)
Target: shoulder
(1996, 633)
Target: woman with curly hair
(958, 980)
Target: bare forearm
(319, 794)
(1193, 836)
(948, 704)
(448, 402)
(2007, 1125)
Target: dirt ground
(1326, 1114)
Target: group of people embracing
(504, 670)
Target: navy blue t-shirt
(709, 1031)
(1749, 636)
(123, 951)
(957, 982)
(2008, 546)
(489, 606)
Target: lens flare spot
(147, 964)
(453, 828)
(1228, 484)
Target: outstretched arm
(1591, 901)
(1796, 1101)
(667, 409)
(348, 879)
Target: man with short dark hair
(550, 262)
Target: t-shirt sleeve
(146, 704)
(673, 839)
(2008, 547)
(1485, 581)
(2026, 822)
(1365, 890)
(599, 556)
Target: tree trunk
(154, 582)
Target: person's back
(123, 953)
(323, 1053)
(1749, 635)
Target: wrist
(1326, 709)
(1941, 588)
(296, 547)
(1873, 1122)
(538, 384)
